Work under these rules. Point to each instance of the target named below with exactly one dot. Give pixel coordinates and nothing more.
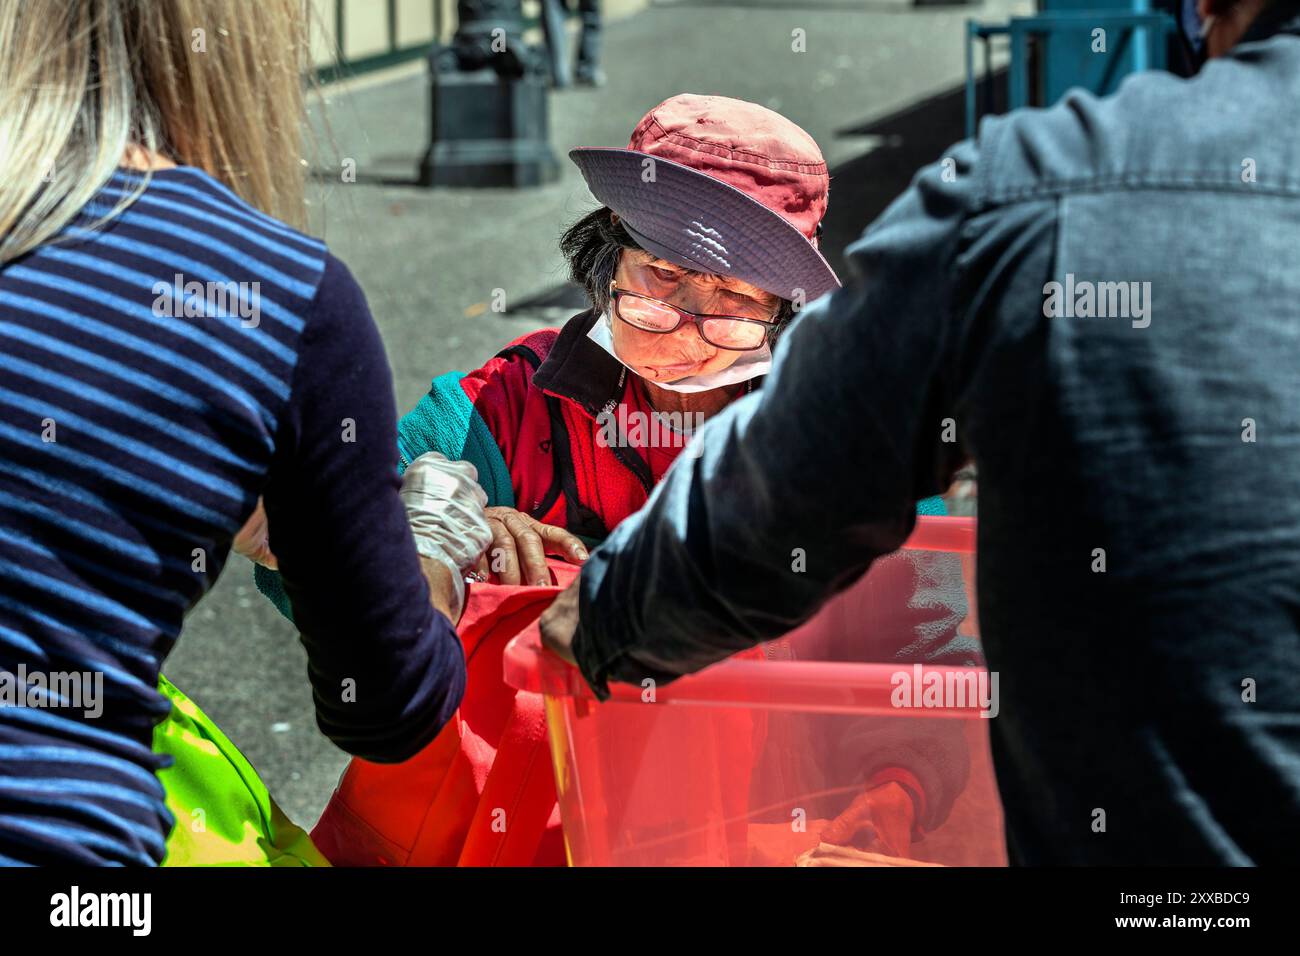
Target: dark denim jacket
(1137, 432)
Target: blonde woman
(172, 347)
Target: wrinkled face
(666, 357)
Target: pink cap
(745, 145)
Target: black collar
(578, 369)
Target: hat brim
(689, 218)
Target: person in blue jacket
(1095, 300)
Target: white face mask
(749, 365)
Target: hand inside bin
(880, 819)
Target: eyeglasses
(734, 333)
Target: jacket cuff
(595, 656)
(908, 781)
(597, 652)
(595, 671)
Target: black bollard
(488, 119)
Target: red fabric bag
(483, 792)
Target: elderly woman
(703, 250)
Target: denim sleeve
(795, 490)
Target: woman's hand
(442, 588)
(444, 506)
(254, 539)
(880, 820)
(520, 544)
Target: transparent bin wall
(642, 785)
(746, 763)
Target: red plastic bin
(748, 761)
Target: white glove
(444, 505)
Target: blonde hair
(216, 84)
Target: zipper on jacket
(613, 402)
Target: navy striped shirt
(157, 374)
